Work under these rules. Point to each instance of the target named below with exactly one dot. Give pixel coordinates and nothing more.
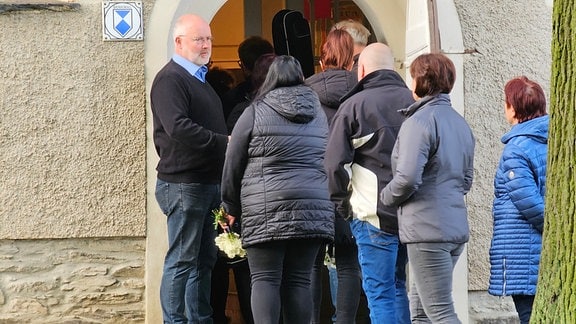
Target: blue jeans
(280, 272)
(185, 287)
(333, 280)
(431, 293)
(383, 267)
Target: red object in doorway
(322, 9)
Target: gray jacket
(432, 165)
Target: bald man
(190, 137)
(357, 160)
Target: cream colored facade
(81, 236)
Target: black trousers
(523, 305)
(220, 285)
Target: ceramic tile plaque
(122, 20)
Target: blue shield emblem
(122, 21)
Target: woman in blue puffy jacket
(519, 187)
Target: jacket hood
(299, 104)
(331, 84)
(440, 99)
(376, 79)
(536, 128)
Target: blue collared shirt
(199, 72)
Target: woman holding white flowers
(275, 181)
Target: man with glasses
(190, 137)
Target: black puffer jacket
(331, 85)
(273, 175)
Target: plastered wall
(72, 167)
(72, 127)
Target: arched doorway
(410, 27)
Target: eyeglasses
(200, 40)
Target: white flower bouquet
(228, 242)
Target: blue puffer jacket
(518, 210)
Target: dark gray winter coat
(331, 85)
(274, 177)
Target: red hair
(337, 50)
(526, 97)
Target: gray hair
(358, 31)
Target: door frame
(434, 25)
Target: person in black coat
(331, 84)
(248, 51)
(274, 179)
(257, 77)
(239, 266)
(362, 135)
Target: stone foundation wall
(487, 309)
(98, 280)
(72, 281)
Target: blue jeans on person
(523, 304)
(185, 286)
(280, 272)
(432, 265)
(378, 255)
(333, 280)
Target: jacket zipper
(504, 276)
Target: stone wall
(487, 309)
(72, 167)
(72, 281)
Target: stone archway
(389, 21)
